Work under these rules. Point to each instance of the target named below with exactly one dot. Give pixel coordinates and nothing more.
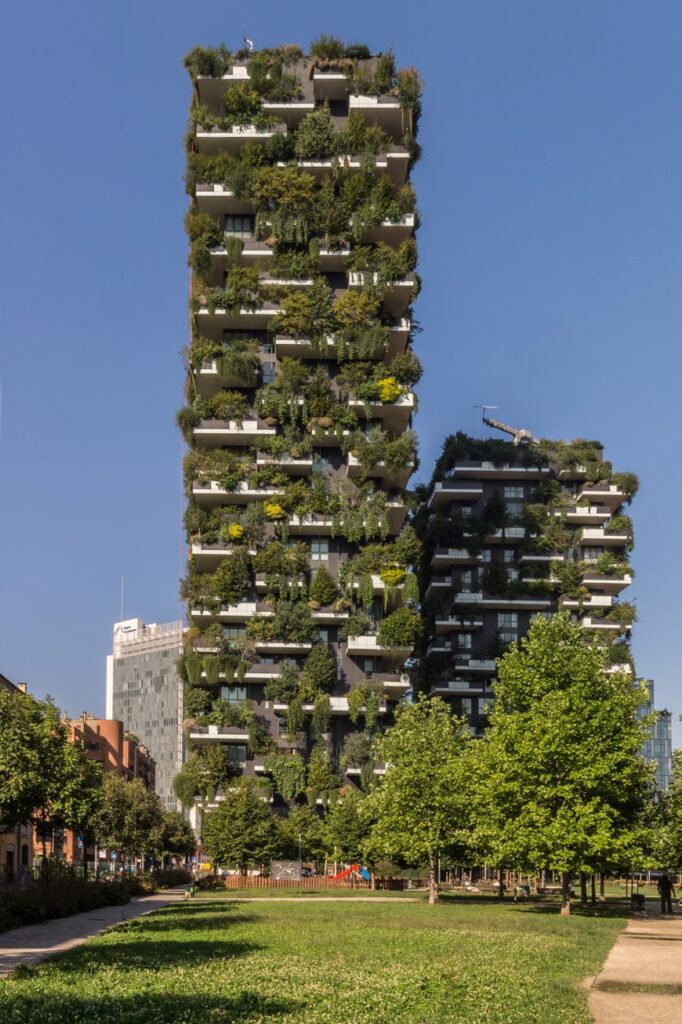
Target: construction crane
(520, 436)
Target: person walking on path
(667, 891)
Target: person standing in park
(667, 891)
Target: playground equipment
(353, 870)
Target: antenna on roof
(521, 436)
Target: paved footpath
(641, 980)
(34, 942)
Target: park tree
(176, 837)
(347, 828)
(669, 813)
(130, 819)
(241, 829)
(560, 781)
(46, 779)
(420, 808)
(304, 822)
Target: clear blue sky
(550, 251)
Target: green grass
(324, 963)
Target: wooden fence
(314, 882)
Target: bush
(59, 898)
(169, 878)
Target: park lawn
(323, 963)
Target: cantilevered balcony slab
(593, 601)
(455, 623)
(438, 585)
(218, 200)
(240, 612)
(603, 494)
(207, 557)
(218, 734)
(458, 688)
(602, 537)
(218, 433)
(330, 85)
(369, 645)
(602, 625)
(395, 415)
(216, 140)
(396, 479)
(290, 465)
(395, 164)
(209, 494)
(442, 558)
(213, 323)
(503, 603)
(391, 232)
(339, 706)
(282, 647)
(585, 515)
(487, 470)
(608, 584)
(354, 771)
(397, 294)
(385, 112)
(447, 492)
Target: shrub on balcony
(293, 623)
(402, 628)
(495, 579)
(273, 511)
(357, 750)
(323, 783)
(283, 688)
(628, 483)
(315, 135)
(323, 588)
(321, 717)
(320, 669)
(227, 405)
(295, 717)
(288, 773)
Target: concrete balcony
(290, 113)
(526, 559)
(383, 111)
(207, 557)
(252, 252)
(438, 585)
(369, 645)
(391, 232)
(511, 603)
(601, 537)
(212, 324)
(442, 558)
(330, 85)
(295, 467)
(457, 622)
(397, 294)
(209, 494)
(464, 663)
(354, 771)
(593, 601)
(395, 163)
(218, 734)
(395, 479)
(445, 493)
(609, 584)
(329, 617)
(217, 140)
(310, 526)
(510, 534)
(218, 200)
(241, 612)
(457, 688)
(282, 647)
(339, 706)
(218, 433)
(603, 494)
(395, 415)
(602, 625)
(585, 515)
(488, 470)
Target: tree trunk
(500, 878)
(565, 893)
(593, 889)
(433, 884)
(602, 875)
(583, 889)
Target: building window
(507, 620)
(513, 492)
(515, 509)
(321, 464)
(464, 641)
(486, 555)
(323, 634)
(368, 667)
(232, 632)
(512, 574)
(238, 225)
(467, 705)
(509, 556)
(319, 550)
(233, 694)
(268, 372)
(591, 554)
(506, 637)
(465, 581)
(237, 756)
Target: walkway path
(34, 942)
(641, 979)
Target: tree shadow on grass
(143, 1007)
(188, 919)
(147, 954)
